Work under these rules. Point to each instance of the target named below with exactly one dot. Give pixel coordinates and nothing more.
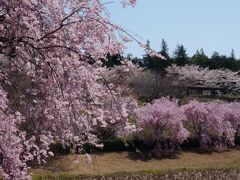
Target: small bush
(162, 123)
(208, 125)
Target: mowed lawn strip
(121, 162)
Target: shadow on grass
(148, 155)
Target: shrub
(162, 123)
(232, 114)
(207, 123)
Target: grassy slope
(123, 162)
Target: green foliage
(112, 60)
(200, 59)
(216, 61)
(180, 55)
(155, 63)
(164, 49)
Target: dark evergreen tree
(215, 55)
(156, 63)
(147, 61)
(164, 49)
(218, 61)
(232, 56)
(180, 55)
(200, 59)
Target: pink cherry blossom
(162, 121)
(209, 125)
(195, 75)
(49, 54)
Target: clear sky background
(213, 25)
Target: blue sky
(213, 25)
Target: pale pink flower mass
(46, 51)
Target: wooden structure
(212, 90)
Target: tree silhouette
(180, 55)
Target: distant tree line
(181, 58)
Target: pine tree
(199, 58)
(164, 49)
(155, 63)
(180, 55)
(232, 56)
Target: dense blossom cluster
(214, 125)
(122, 74)
(195, 75)
(11, 142)
(232, 114)
(162, 122)
(48, 66)
(210, 124)
(54, 90)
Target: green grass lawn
(124, 163)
